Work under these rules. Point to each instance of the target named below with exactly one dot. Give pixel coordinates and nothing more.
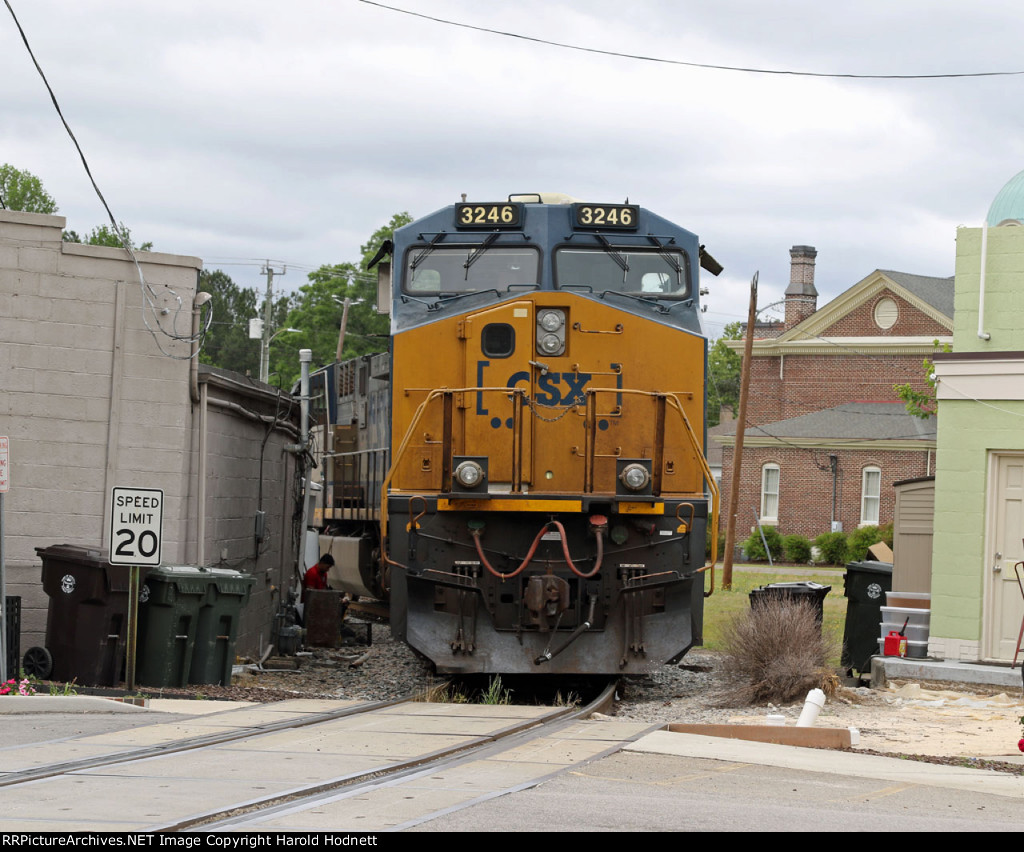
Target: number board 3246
(489, 215)
(602, 216)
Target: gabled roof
(930, 295)
(937, 292)
(876, 423)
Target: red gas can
(895, 645)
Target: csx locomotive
(524, 472)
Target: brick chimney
(801, 297)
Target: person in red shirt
(316, 577)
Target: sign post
(136, 534)
(4, 618)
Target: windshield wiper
(478, 252)
(614, 255)
(669, 259)
(416, 261)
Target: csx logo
(551, 389)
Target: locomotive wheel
(38, 663)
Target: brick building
(826, 435)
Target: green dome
(1009, 203)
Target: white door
(1004, 605)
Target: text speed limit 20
(136, 526)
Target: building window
(871, 491)
(886, 313)
(770, 493)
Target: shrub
(776, 651)
(798, 548)
(753, 547)
(859, 542)
(707, 542)
(833, 547)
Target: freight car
(523, 473)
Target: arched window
(870, 495)
(770, 493)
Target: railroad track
(313, 770)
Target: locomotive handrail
(662, 399)
(400, 454)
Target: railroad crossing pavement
(579, 779)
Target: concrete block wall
(1004, 296)
(93, 395)
(247, 471)
(88, 400)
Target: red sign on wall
(5, 458)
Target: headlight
(635, 477)
(550, 321)
(469, 474)
(551, 331)
(550, 344)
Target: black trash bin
(803, 591)
(87, 618)
(227, 592)
(168, 620)
(865, 585)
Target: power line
(149, 296)
(708, 66)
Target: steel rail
(190, 743)
(250, 813)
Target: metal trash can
(227, 592)
(865, 585)
(168, 618)
(87, 618)
(803, 591)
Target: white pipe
(201, 482)
(305, 357)
(982, 334)
(812, 707)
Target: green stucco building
(977, 604)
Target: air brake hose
(599, 524)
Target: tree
(21, 190)
(318, 305)
(104, 235)
(724, 373)
(227, 342)
(922, 403)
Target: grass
(720, 608)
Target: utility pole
(268, 316)
(741, 424)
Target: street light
(265, 352)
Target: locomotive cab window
(624, 269)
(469, 268)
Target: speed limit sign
(136, 526)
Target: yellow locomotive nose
(546, 498)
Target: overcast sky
(241, 131)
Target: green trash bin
(865, 585)
(227, 592)
(169, 607)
